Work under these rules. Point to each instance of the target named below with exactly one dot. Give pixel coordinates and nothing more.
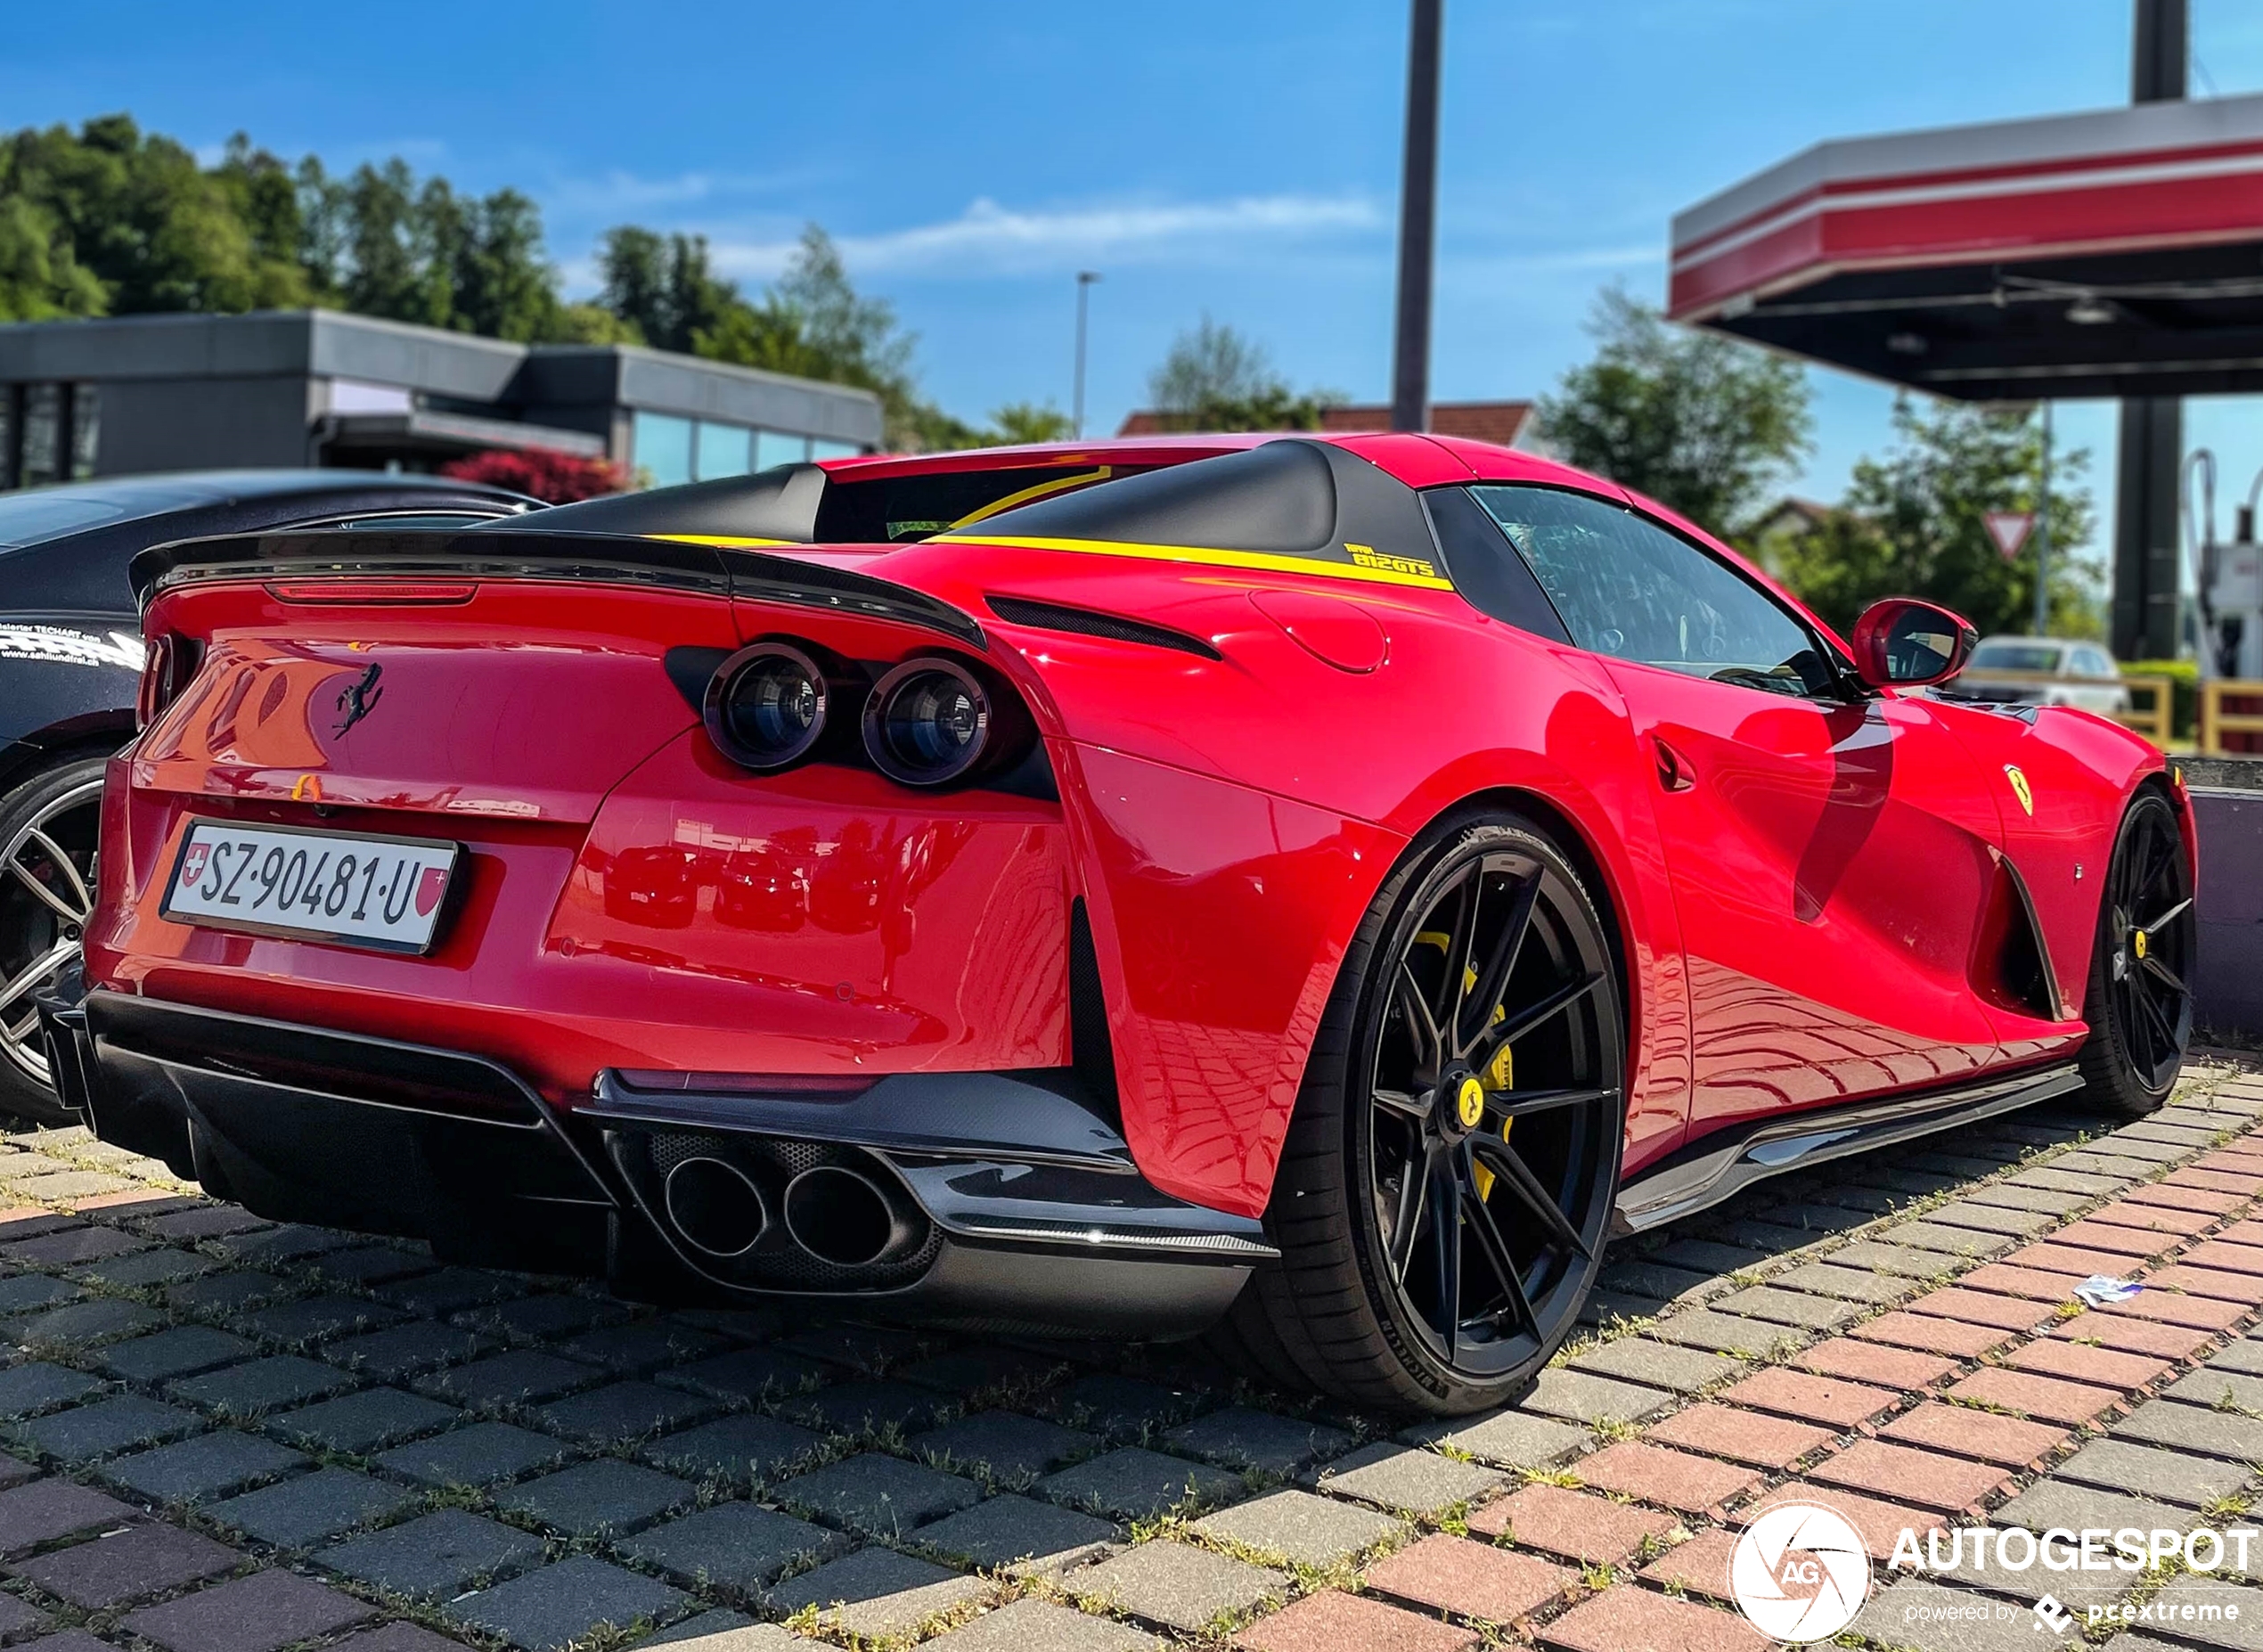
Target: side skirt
(1711, 1170)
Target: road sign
(2009, 529)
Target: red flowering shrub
(553, 478)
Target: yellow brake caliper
(1501, 1074)
(1499, 1077)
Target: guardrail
(2216, 722)
(2152, 716)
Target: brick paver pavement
(231, 1435)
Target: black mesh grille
(1053, 616)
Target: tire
(48, 822)
(1357, 1304)
(2138, 1003)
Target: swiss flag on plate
(428, 889)
(192, 863)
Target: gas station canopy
(2113, 253)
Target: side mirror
(1902, 642)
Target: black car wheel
(2138, 1004)
(1443, 1193)
(48, 826)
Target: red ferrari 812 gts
(1315, 890)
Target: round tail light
(927, 723)
(766, 707)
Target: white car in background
(2043, 671)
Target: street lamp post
(1084, 280)
(2043, 534)
(1418, 221)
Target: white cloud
(989, 239)
(619, 190)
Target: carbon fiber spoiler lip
(611, 559)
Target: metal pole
(2043, 536)
(1084, 280)
(1417, 222)
(2151, 443)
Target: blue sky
(1238, 159)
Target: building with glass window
(141, 393)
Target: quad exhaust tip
(716, 1207)
(847, 1219)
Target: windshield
(2039, 656)
(38, 514)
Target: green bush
(2184, 679)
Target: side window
(2090, 663)
(1628, 588)
(1490, 577)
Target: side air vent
(1092, 1052)
(1084, 621)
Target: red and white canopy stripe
(2110, 180)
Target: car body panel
(68, 612)
(1811, 920)
(1830, 866)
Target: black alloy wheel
(1465, 1136)
(48, 828)
(2139, 1004)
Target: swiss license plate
(340, 887)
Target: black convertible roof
(1309, 500)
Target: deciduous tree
(1700, 424)
(1912, 524)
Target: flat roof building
(133, 394)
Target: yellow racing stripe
(722, 539)
(1207, 556)
(1057, 485)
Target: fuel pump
(2228, 579)
(2235, 596)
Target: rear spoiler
(608, 559)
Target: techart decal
(68, 645)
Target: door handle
(1674, 772)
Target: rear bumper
(1011, 1204)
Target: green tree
(1702, 425)
(266, 199)
(41, 278)
(324, 229)
(1019, 424)
(666, 286)
(138, 215)
(1912, 524)
(383, 275)
(814, 322)
(109, 219)
(505, 287)
(1216, 379)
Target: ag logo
(1799, 1572)
(2020, 787)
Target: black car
(71, 661)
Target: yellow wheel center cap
(2138, 942)
(1469, 1103)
